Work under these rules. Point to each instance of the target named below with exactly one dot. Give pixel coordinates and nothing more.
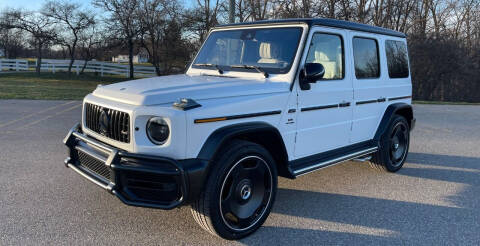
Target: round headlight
(158, 130)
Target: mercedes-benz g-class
(260, 100)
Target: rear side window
(397, 60)
(365, 56)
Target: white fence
(101, 68)
(13, 64)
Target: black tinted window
(397, 60)
(365, 55)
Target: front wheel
(239, 192)
(394, 146)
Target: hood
(168, 89)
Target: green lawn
(61, 86)
(29, 85)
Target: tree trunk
(84, 66)
(39, 59)
(72, 55)
(155, 61)
(70, 65)
(130, 57)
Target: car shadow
(449, 168)
(271, 235)
(405, 222)
(444, 160)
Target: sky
(36, 4)
(31, 4)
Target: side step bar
(362, 158)
(337, 160)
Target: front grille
(115, 124)
(94, 165)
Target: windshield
(270, 49)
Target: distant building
(140, 57)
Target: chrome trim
(91, 154)
(108, 187)
(337, 160)
(98, 145)
(362, 159)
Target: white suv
(261, 99)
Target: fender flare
(391, 110)
(220, 136)
(199, 168)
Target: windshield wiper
(220, 71)
(259, 69)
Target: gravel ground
(433, 200)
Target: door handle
(381, 99)
(344, 104)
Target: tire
(394, 144)
(233, 203)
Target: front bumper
(136, 179)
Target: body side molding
(366, 102)
(319, 107)
(238, 116)
(399, 98)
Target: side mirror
(310, 73)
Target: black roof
(323, 22)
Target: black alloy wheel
(393, 148)
(240, 191)
(246, 193)
(399, 143)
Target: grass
(61, 86)
(49, 86)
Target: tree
(39, 26)
(258, 9)
(124, 18)
(90, 43)
(203, 17)
(72, 20)
(155, 16)
(11, 40)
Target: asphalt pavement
(433, 200)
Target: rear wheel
(394, 146)
(239, 192)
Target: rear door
(325, 117)
(367, 80)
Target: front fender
(220, 136)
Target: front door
(324, 119)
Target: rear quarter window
(397, 59)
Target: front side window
(327, 49)
(365, 57)
(272, 50)
(397, 60)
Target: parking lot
(434, 199)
